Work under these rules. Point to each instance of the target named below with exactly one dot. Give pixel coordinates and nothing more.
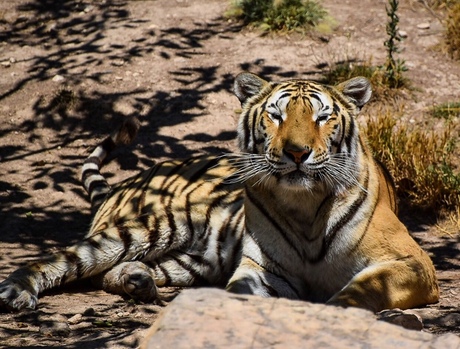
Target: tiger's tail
(94, 182)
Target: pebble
(6, 64)
(58, 78)
(88, 8)
(402, 34)
(75, 319)
(118, 62)
(89, 312)
(424, 26)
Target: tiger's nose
(298, 156)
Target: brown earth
(69, 72)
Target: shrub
(279, 15)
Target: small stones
(7, 63)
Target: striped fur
(93, 181)
(303, 211)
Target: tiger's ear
(358, 90)
(247, 85)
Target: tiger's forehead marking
(312, 95)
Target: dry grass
(452, 36)
(381, 91)
(451, 224)
(421, 162)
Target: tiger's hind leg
(134, 279)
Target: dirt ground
(71, 70)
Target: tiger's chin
(299, 181)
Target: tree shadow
(72, 40)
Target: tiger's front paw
(133, 279)
(139, 285)
(13, 296)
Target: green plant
(393, 67)
(421, 162)
(278, 15)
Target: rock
(211, 318)
(406, 319)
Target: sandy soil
(69, 72)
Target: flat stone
(212, 318)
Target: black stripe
(271, 290)
(351, 134)
(73, 259)
(170, 177)
(188, 211)
(254, 119)
(90, 172)
(354, 208)
(284, 95)
(369, 219)
(343, 130)
(165, 274)
(92, 160)
(336, 108)
(187, 267)
(126, 238)
(316, 96)
(222, 235)
(154, 232)
(102, 183)
(207, 228)
(246, 128)
(144, 187)
(275, 224)
(202, 171)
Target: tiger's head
(298, 133)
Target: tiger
(301, 211)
